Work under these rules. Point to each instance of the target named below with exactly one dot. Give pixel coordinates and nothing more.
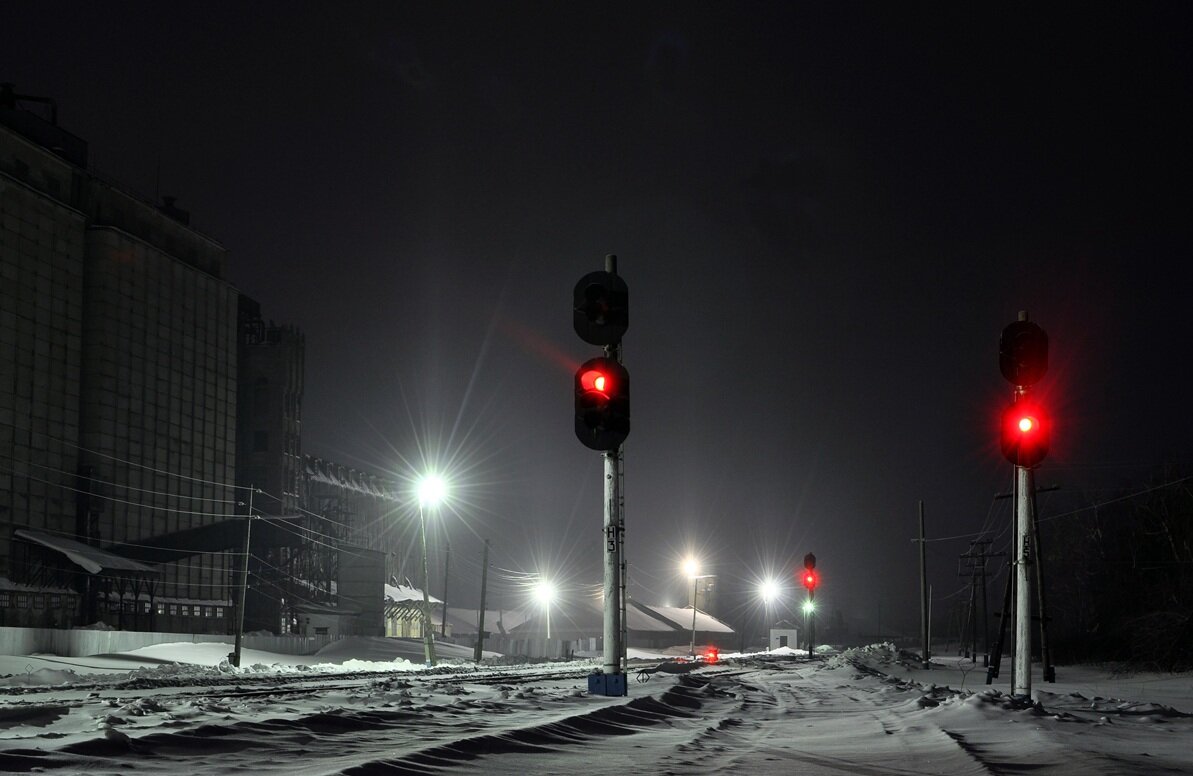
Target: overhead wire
(133, 463)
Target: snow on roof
(495, 619)
(91, 559)
(586, 616)
(329, 473)
(681, 617)
(399, 594)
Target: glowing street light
(544, 593)
(431, 490)
(692, 568)
(769, 590)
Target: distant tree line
(1119, 576)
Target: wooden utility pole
(234, 658)
(926, 655)
(480, 616)
(446, 560)
(975, 566)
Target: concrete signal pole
(1026, 428)
(600, 316)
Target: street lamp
(431, 490)
(544, 591)
(692, 568)
(770, 591)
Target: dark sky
(826, 214)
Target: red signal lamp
(602, 387)
(1026, 432)
(595, 380)
(810, 579)
(712, 655)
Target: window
(5, 599)
(22, 600)
(320, 631)
(173, 610)
(208, 611)
(161, 608)
(197, 611)
(39, 602)
(146, 608)
(55, 601)
(219, 611)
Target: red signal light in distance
(1026, 424)
(809, 579)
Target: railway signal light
(602, 387)
(601, 308)
(810, 579)
(1025, 433)
(1023, 352)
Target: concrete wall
(80, 643)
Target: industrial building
(146, 409)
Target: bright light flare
(769, 590)
(431, 489)
(544, 592)
(595, 380)
(1026, 424)
(809, 607)
(691, 568)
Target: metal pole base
(607, 684)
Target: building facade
(146, 408)
(117, 389)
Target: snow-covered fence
(288, 645)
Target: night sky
(825, 213)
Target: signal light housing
(1023, 353)
(601, 308)
(1026, 433)
(602, 387)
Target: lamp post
(769, 590)
(544, 591)
(810, 622)
(431, 490)
(691, 568)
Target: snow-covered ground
(363, 708)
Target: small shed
(783, 634)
